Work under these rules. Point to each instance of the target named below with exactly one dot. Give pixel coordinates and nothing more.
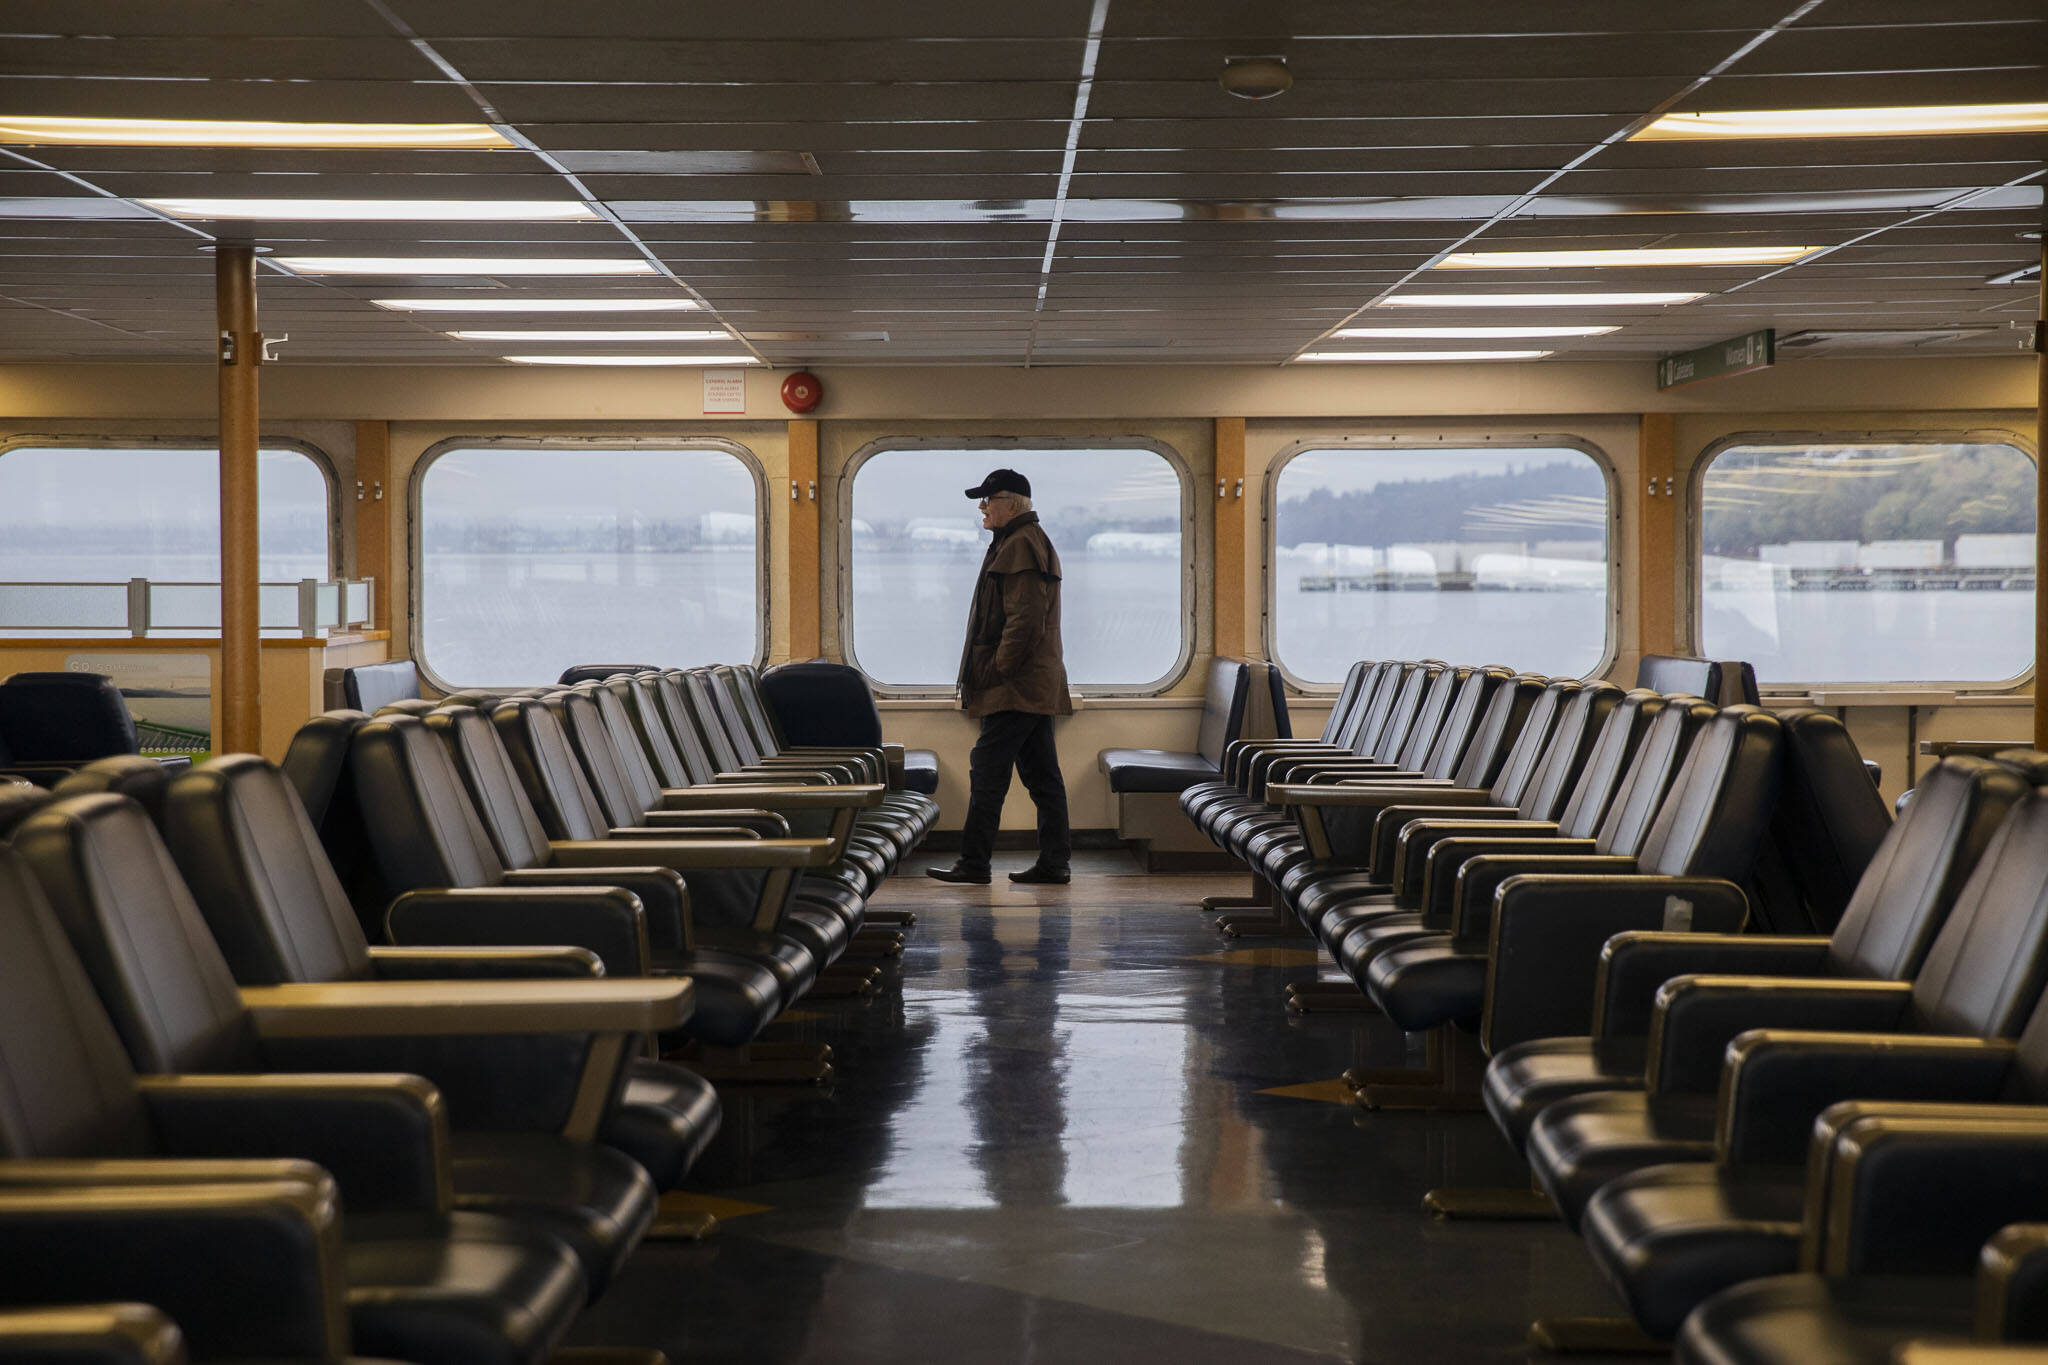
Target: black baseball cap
(1002, 481)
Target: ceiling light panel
(1625, 257)
(1897, 121)
(610, 360)
(36, 131)
(597, 336)
(1564, 299)
(464, 265)
(624, 304)
(1415, 356)
(378, 210)
(1474, 333)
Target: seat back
(597, 755)
(1829, 821)
(369, 687)
(576, 673)
(421, 825)
(64, 717)
(1720, 803)
(1919, 868)
(66, 1088)
(821, 703)
(1387, 726)
(1475, 688)
(1276, 697)
(1656, 762)
(493, 782)
(1507, 710)
(1675, 674)
(1223, 703)
(642, 783)
(635, 694)
(1525, 757)
(698, 761)
(141, 938)
(1429, 716)
(142, 780)
(743, 709)
(729, 749)
(1990, 958)
(260, 876)
(541, 754)
(1375, 695)
(18, 801)
(1600, 775)
(1581, 718)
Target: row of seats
(1777, 1058)
(222, 1098)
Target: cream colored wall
(1595, 402)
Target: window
(104, 515)
(1477, 555)
(1868, 562)
(914, 546)
(535, 558)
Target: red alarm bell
(802, 391)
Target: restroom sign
(725, 391)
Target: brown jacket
(1012, 659)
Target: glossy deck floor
(1054, 1138)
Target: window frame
(1694, 540)
(322, 461)
(1610, 646)
(1189, 546)
(415, 553)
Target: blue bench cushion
(1154, 770)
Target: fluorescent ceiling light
(1641, 255)
(629, 304)
(1558, 300)
(1423, 355)
(632, 360)
(178, 132)
(379, 210)
(1903, 121)
(1472, 333)
(591, 336)
(464, 265)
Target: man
(1013, 680)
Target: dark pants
(1022, 740)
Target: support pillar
(802, 558)
(373, 516)
(1236, 626)
(1657, 547)
(2041, 512)
(241, 351)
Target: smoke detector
(1255, 78)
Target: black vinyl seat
(1346, 710)
(89, 1334)
(159, 972)
(818, 703)
(425, 1284)
(140, 779)
(1905, 893)
(1165, 770)
(372, 687)
(1681, 1200)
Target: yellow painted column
(800, 554)
(241, 350)
(1657, 543)
(1235, 626)
(2041, 512)
(373, 515)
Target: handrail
(319, 606)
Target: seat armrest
(751, 777)
(1506, 841)
(1633, 965)
(1239, 754)
(1695, 1018)
(99, 1333)
(1775, 1082)
(484, 964)
(384, 1138)
(757, 821)
(895, 760)
(1918, 1189)
(2012, 1286)
(685, 855)
(203, 1252)
(1402, 835)
(864, 796)
(606, 920)
(1406, 790)
(1479, 876)
(377, 1009)
(1337, 818)
(1547, 932)
(683, 827)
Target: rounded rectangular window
(535, 558)
(77, 523)
(1867, 562)
(915, 545)
(1477, 555)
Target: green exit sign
(1736, 355)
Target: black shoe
(1038, 874)
(958, 872)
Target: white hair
(1023, 503)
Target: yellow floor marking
(1262, 957)
(686, 1201)
(1329, 1092)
